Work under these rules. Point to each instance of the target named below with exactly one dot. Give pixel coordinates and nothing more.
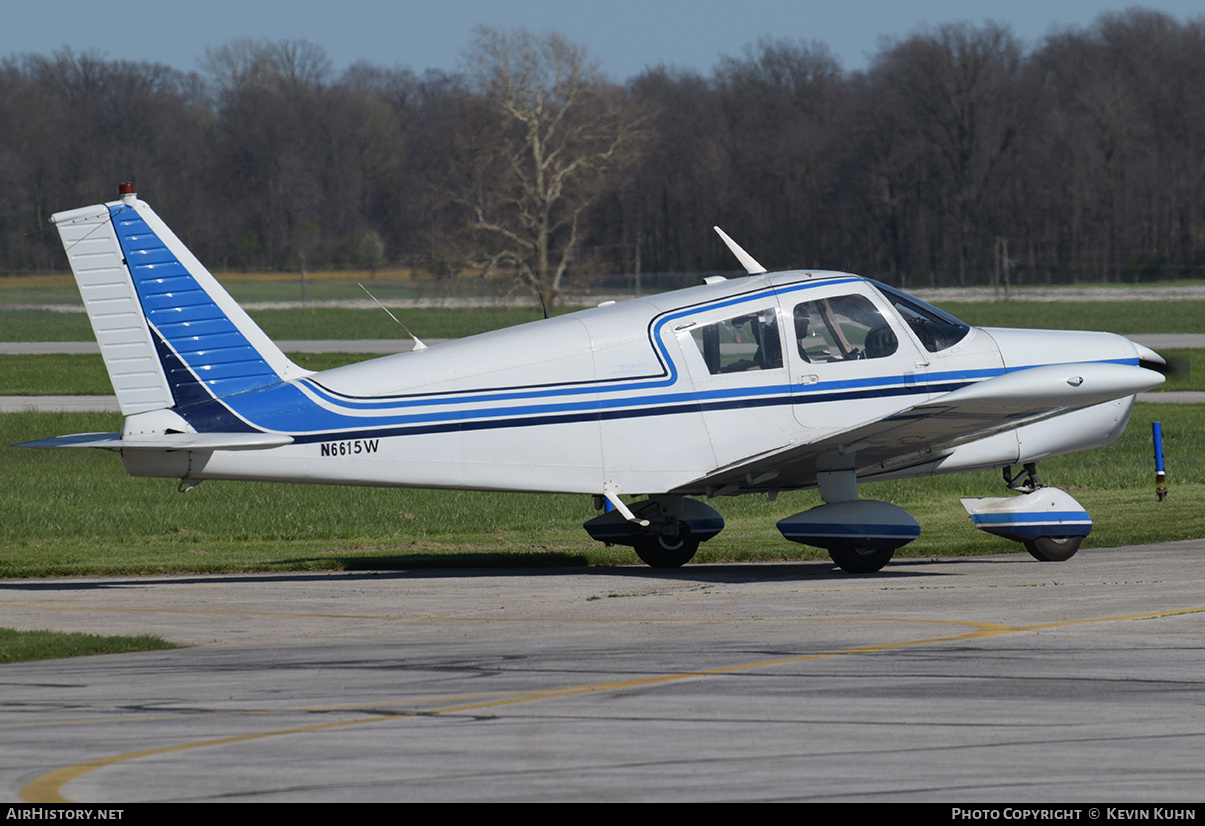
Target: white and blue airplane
(759, 384)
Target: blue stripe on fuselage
(312, 412)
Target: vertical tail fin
(168, 332)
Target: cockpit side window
(936, 329)
(842, 328)
(744, 342)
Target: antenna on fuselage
(418, 345)
(747, 261)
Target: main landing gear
(665, 531)
(854, 559)
(667, 551)
(860, 535)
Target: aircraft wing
(925, 432)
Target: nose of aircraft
(1032, 348)
(1149, 359)
(1152, 362)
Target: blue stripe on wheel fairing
(1039, 517)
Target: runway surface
(984, 679)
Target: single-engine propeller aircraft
(764, 383)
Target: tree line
(959, 156)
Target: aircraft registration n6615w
(764, 383)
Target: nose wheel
(1047, 521)
(1053, 548)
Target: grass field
(85, 375)
(75, 512)
(304, 324)
(340, 323)
(388, 285)
(22, 646)
(394, 285)
(67, 375)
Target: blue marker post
(1160, 476)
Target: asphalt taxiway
(954, 680)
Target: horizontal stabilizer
(168, 441)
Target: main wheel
(667, 551)
(861, 560)
(1053, 548)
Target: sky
(625, 35)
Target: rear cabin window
(842, 328)
(739, 344)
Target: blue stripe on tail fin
(187, 317)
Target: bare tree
(954, 93)
(271, 105)
(282, 64)
(778, 103)
(542, 132)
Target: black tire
(1053, 548)
(860, 560)
(667, 551)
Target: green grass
(433, 322)
(1125, 317)
(387, 285)
(1122, 317)
(54, 375)
(305, 324)
(1095, 283)
(76, 512)
(67, 375)
(43, 325)
(54, 288)
(73, 512)
(20, 646)
(1187, 370)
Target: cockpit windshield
(936, 329)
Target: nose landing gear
(1047, 521)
